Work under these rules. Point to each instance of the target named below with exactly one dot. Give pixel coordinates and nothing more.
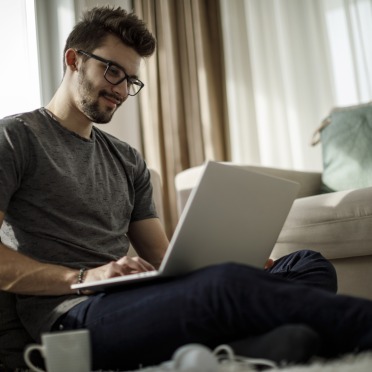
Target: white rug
(355, 363)
(349, 363)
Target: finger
(269, 264)
(143, 262)
(132, 264)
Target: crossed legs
(144, 324)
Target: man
(71, 199)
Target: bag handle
(316, 136)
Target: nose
(121, 89)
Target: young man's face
(98, 99)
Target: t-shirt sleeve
(14, 155)
(144, 206)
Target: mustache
(116, 97)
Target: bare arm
(149, 240)
(24, 275)
(21, 274)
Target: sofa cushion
(346, 137)
(337, 224)
(13, 336)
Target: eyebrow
(121, 68)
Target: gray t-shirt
(67, 200)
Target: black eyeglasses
(115, 74)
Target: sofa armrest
(338, 225)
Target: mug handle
(28, 350)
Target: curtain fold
(183, 106)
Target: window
(19, 76)
(349, 33)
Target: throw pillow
(346, 137)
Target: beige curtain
(183, 106)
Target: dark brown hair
(99, 22)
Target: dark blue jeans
(145, 323)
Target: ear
(71, 59)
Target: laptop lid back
(232, 215)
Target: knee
(307, 254)
(317, 260)
(307, 258)
(310, 265)
(325, 268)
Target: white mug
(62, 351)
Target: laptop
(232, 215)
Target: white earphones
(198, 358)
(194, 358)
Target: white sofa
(337, 224)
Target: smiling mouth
(114, 100)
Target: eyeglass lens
(115, 75)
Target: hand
(124, 266)
(269, 264)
